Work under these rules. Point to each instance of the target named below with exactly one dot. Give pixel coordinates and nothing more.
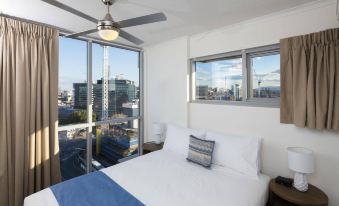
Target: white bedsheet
(164, 179)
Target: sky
(267, 69)
(219, 73)
(73, 63)
(225, 73)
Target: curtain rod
(64, 32)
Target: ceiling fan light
(108, 34)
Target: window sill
(248, 103)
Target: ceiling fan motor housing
(107, 23)
(103, 26)
(108, 2)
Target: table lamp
(158, 130)
(301, 161)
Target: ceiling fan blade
(82, 33)
(152, 18)
(71, 10)
(130, 37)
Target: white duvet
(163, 178)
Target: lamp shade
(300, 160)
(158, 128)
(108, 34)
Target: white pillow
(177, 138)
(236, 152)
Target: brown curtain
(29, 147)
(310, 80)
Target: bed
(165, 178)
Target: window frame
(89, 124)
(246, 56)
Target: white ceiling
(185, 17)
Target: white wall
(166, 84)
(264, 122)
(164, 104)
(265, 30)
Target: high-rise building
(80, 95)
(202, 92)
(237, 92)
(131, 109)
(65, 97)
(119, 91)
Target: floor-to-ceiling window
(99, 105)
(116, 106)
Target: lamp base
(157, 139)
(300, 182)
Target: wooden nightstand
(151, 147)
(289, 196)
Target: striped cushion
(200, 151)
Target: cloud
(66, 82)
(202, 71)
(272, 76)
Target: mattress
(166, 179)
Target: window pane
(219, 80)
(72, 144)
(72, 97)
(112, 143)
(120, 97)
(266, 76)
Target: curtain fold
(310, 80)
(29, 151)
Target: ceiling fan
(107, 28)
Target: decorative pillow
(237, 152)
(200, 151)
(178, 138)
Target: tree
(78, 117)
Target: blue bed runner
(94, 189)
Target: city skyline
(225, 73)
(93, 82)
(219, 74)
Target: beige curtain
(29, 148)
(310, 80)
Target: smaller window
(265, 76)
(249, 77)
(219, 79)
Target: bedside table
(289, 196)
(151, 147)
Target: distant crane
(225, 83)
(104, 106)
(260, 80)
(105, 72)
